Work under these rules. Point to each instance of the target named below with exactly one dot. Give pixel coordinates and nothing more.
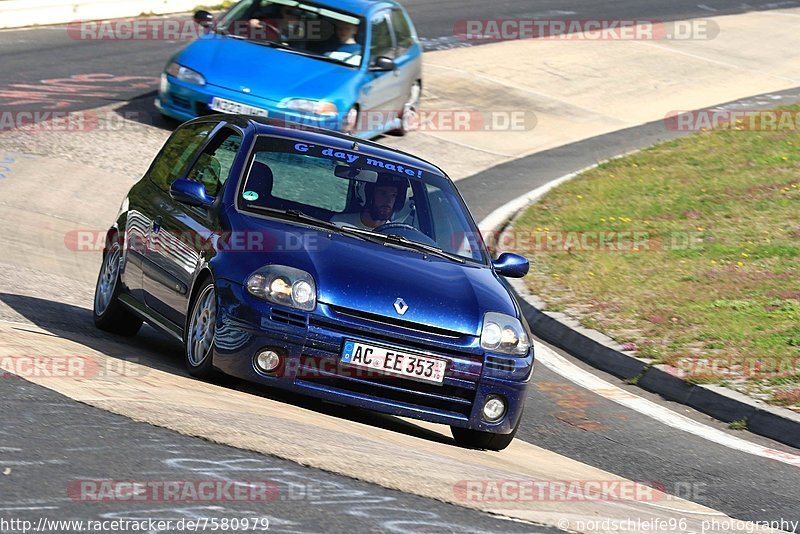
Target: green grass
(716, 277)
(218, 6)
(740, 424)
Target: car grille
(286, 317)
(500, 364)
(455, 396)
(181, 102)
(408, 325)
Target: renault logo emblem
(400, 306)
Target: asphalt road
(51, 440)
(59, 444)
(38, 64)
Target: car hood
(361, 276)
(267, 72)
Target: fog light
(267, 361)
(494, 408)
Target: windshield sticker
(250, 195)
(349, 157)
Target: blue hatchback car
(347, 65)
(322, 264)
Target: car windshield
(301, 27)
(365, 196)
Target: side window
(402, 32)
(306, 180)
(381, 43)
(176, 154)
(213, 167)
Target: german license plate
(229, 106)
(394, 362)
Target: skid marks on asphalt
(64, 93)
(574, 405)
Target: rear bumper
(311, 347)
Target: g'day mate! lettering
(349, 157)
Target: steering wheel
(236, 27)
(391, 228)
(273, 28)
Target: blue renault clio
(319, 263)
(347, 65)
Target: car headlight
(185, 74)
(313, 107)
(504, 334)
(284, 285)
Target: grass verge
(687, 253)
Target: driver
(287, 23)
(383, 199)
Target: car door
(407, 56)
(145, 199)
(379, 93)
(180, 233)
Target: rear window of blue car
(324, 182)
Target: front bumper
(311, 347)
(185, 101)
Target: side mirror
(511, 265)
(204, 18)
(190, 193)
(383, 64)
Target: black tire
(109, 314)
(476, 439)
(199, 360)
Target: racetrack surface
(565, 419)
(30, 56)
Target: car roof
(357, 7)
(267, 126)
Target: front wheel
(199, 337)
(477, 439)
(109, 314)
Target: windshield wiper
(298, 215)
(408, 243)
(358, 232)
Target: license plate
(394, 362)
(229, 106)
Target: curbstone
(601, 352)
(779, 424)
(657, 379)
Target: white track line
(586, 380)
